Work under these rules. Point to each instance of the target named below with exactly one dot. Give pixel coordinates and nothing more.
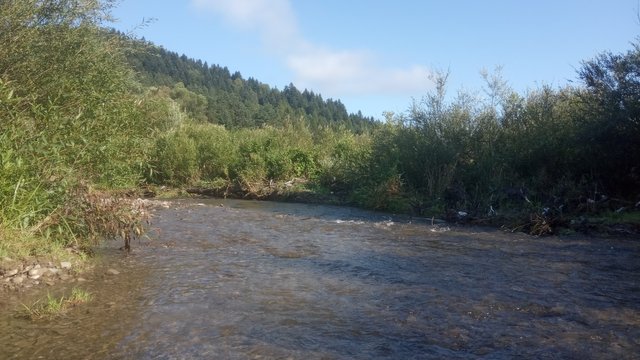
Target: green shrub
(175, 160)
(344, 165)
(69, 111)
(215, 150)
(304, 162)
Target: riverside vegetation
(55, 306)
(90, 118)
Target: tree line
(212, 93)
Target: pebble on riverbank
(17, 275)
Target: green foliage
(272, 154)
(75, 109)
(49, 308)
(70, 114)
(193, 104)
(556, 149)
(303, 161)
(343, 166)
(175, 159)
(215, 150)
(251, 159)
(53, 307)
(612, 124)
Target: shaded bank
(517, 220)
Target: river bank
(26, 274)
(540, 220)
(16, 275)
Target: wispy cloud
(274, 20)
(354, 72)
(330, 71)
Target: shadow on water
(266, 280)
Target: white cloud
(273, 19)
(331, 72)
(322, 65)
(354, 72)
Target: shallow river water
(259, 280)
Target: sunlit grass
(18, 245)
(79, 296)
(52, 307)
(44, 308)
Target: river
(228, 279)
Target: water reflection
(266, 280)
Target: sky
(377, 56)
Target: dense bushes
(69, 113)
(612, 127)
(549, 151)
(250, 159)
(545, 152)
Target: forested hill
(212, 93)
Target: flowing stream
(223, 279)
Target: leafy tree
(611, 135)
(195, 105)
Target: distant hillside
(212, 93)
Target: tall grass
(53, 307)
(72, 119)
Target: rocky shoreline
(19, 276)
(23, 275)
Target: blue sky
(377, 55)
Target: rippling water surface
(267, 280)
